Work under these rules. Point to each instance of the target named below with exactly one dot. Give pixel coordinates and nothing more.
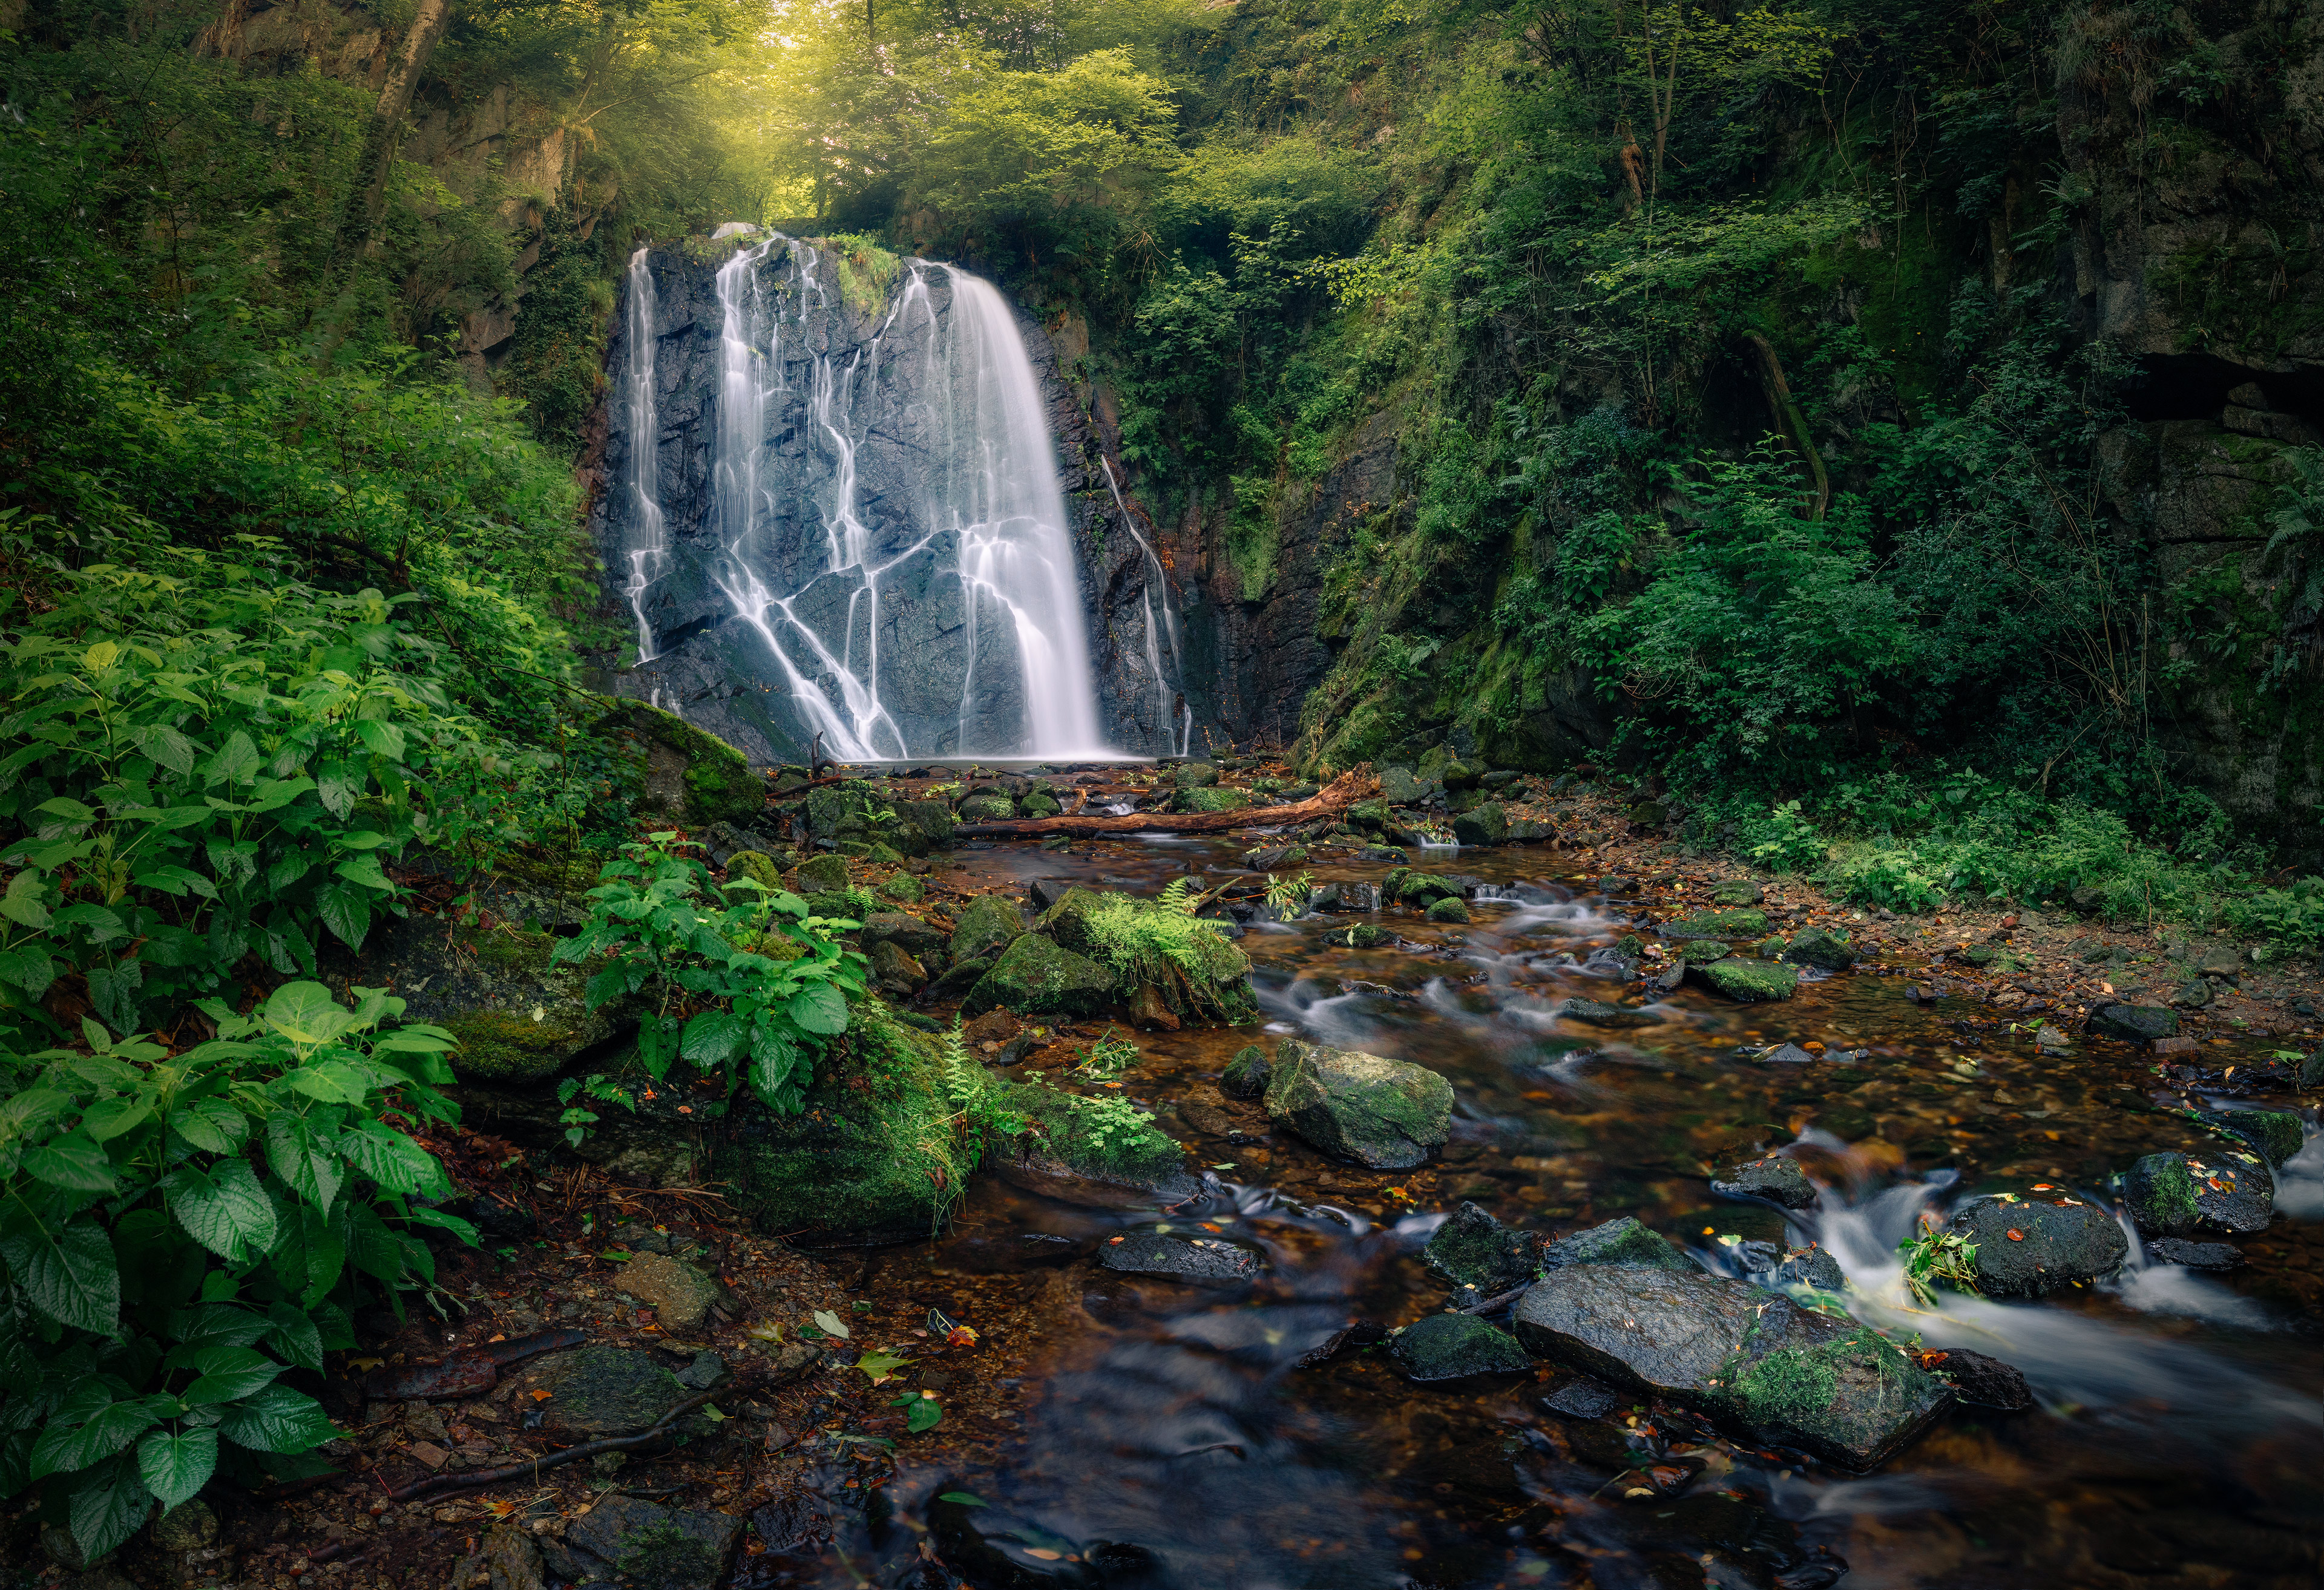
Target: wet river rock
(1037, 977)
(598, 1392)
(1980, 1381)
(1625, 1241)
(2027, 1247)
(1777, 1178)
(1246, 1074)
(1751, 1359)
(2180, 1194)
(1387, 1113)
(2133, 1023)
(1747, 980)
(1473, 1248)
(1454, 1346)
(1200, 1260)
(2194, 1255)
(1598, 1014)
(2272, 1133)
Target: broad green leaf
(227, 1372)
(103, 925)
(830, 1324)
(100, 656)
(773, 1059)
(210, 1326)
(421, 1215)
(333, 1081)
(306, 1014)
(274, 793)
(32, 1108)
(922, 1412)
(29, 969)
(364, 872)
(74, 1162)
(285, 870)
(90, 1426)
(880, 1366)
(235, 762)
(166, 746)
(111, 1505)
(276, 1420)
(345, 911)
(381, 736)
(223, 1208)
(361, 839)
(294, 1335)
(339, 786)
(70, 810)
(108, 1118)
(177, 881)
(70, 1275)
(390, 1158)
(712, 1037)
(211, 1125)
(307, 1164)
(175, 1465)
(820, 1009)
(310, 1262)
(22, 905)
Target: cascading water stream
(649, 551)
(983, 508)
(1171, 691)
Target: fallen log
(1344, 792)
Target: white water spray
(649, 548)
(1171, 691)
(989, 505)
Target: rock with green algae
(1037, 976)
(595, 1393)
(2133, 1023)
(2276, 1134)
(896, 971)
(1387, 1113)
(1758, 1362)
(1487, 823)
(1210, 800)
(1822, 947)
(1192, 970)
(642, 1546)
(1749, 980)
(1246, 1074)
(985, 926)
(2180, 1194)
(1473, 1248)
(875, 1156)
(2028, 1246)
(1717, 925)
(1448, 909)
(903, 929)
(987, 805)
(904, 888)
(818, 875)
(1083, 1148)
(518, 1014)
(687, 775)
(759, 867)
(1454, 1346)
(1624, 1240)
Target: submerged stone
(1980, 1381)
(1625, 1241)
(1454, 1346)
(1387, 1113)
(2178, 1194)
(1201, 1260)
(1598, 1014)
(1759, 1363)
(1473, 1248)
(1779, 1180)
(2194, 1255)
(1095, 1151)
(2027, 1247)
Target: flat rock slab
(2133, 1023)
(1388, 1114)
(2026, 1247)
(677, 1292)
(2194, 1255)
(1753, 1360)
(2274, 1134)
(2178, 1194)
(1454, 1346)
(1777, 1180)
(1583, 1398)
(639, 1546)
(1980, 1381)
(1200, 1260)
(598, 1392)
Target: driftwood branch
(1345, 791)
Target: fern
(1290, 891)
(1180, 897)
(964, 1079)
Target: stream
(1169, 1436)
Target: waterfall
(837, 580)
(649, 547)
(1170, 692)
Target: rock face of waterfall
(837, 505)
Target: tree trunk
(1345, 791)
(359, 233)
(1794, 424)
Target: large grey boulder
(1388, 1114)
(1753, 1360)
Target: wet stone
(1625, 1241)
(1448, 910)
(598, 1392)
(1738, 892)
(1387, 1113)
(1201, 1260)
(1980, 1381)
(985, 927)
(1748, 981)
(1777, 1180)
(1784, 1374)
(1598, 1014)
(906, 932)
(1453, 1347)
(679, 1295)
(640, 1546)
(2194, 1255)
(2055, 1244)
(2179, 1194)
(1473, 1249)
(2274, 1134)
(1038, 976)
(2133, 1023)
(1246, 1073)
(1716, 924)
(1820, 948)
(1583, 1398)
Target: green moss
(1211, 800)
(1703, 952)
(1450, 908)
(1752, 981)
(664, 1554)
(717, 784)
(2161, 1192)
(1725, 925)
(905, 888)
(1196, 971)
(879, 1153)
(1798, 1389)
(1037, 976)
(503, 1045)
(516, 954)
(866, 272)
(1091, 1137)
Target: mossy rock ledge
(520, 1017)
(1081, 1150)
(1161, 960)
(694, 778)
(1754, 1361)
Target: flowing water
(648, 553)
(825, 582)
(1119, 1430)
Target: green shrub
(181, 1229)
(2288, 921)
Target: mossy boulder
(1473, 1249)
(1246, 1074)
(1703, 952)
(1195, 776)
(875, 1157)
(685, 774)
(1369, 816)
(1822, 947)
(1388, 1114)
(985, 926)
(906, 932)
(1749, 980)
(1487, 823)
(760, 867)
(2133, 1023)
(1624, 1240)
(895, 970)
(987, 805)
(1454, 1346)
(1210, 800)
(1042, 804)
(819, 875)
(1161, 957)
(1038, 976)
(1738, 892)
(518, 1014)
(2179, 1194)
(904, 888)
(1743, 924)
(1086, 1149)
(1398, 788)
(1421, 889)
(930, 822)
(2276, 1134)
(1448, 909)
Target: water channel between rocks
(1169, 1435)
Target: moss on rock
(688, 775)
(1387, 1113)
(1037, 976)
(985, 927)
(1076, 1143)
(1194, 969)
(1751, 981)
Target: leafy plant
(181, 1229)
(1932, 1255)
(1290, 893)
(719, 999)
(577, 1119)
(1109, 1057)
(1787, 841)
(922, 1412)
(1103, 1117)
(2288, 921)
(1178, 897)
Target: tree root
(439, 1483)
